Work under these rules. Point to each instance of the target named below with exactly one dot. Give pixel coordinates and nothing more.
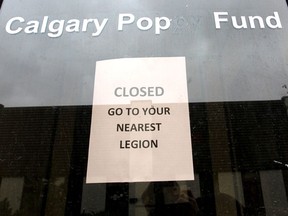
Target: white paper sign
(140, 128)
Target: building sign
(235, 51)
(140, 129)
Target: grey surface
(222, 65)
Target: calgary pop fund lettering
(54, 28)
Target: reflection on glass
(240, 156)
